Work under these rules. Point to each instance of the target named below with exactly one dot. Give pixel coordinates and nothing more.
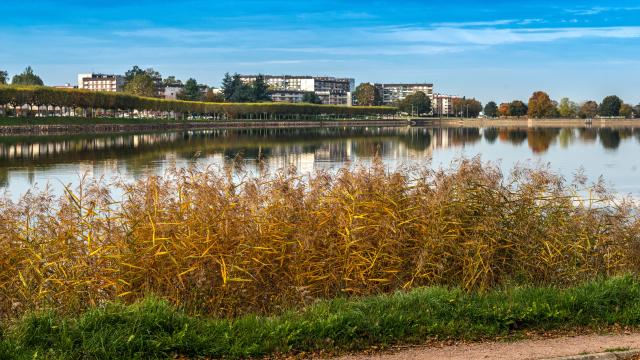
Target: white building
(394, 93)
(288, 88)
(100, 82)
(171, 92)
(443, 104)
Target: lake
(54, 161)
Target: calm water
(39, 161)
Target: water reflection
(25, 160)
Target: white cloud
(601, 9)
(493, 36)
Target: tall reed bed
(217, 243)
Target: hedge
(48, 97)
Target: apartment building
(290, 88)
(394, 93)
(443, 104)
(100, 82)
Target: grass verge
(154, 329)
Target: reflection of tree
(465, 135)
(609, 138)
(566, 137)
(418, 140)
(588, 134)
(490, 134)
(636, 134)
(514, 136)
(539, 140)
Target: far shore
(35, 126)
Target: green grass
(154, 329)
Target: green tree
(236, 90)
(191, 91)
(171, 81)
(541, 106)
(626, 110)
(610, 106)
(567, 108)
(4, 76)
(517, 108)
(260, 90)
(636, 111)
(588, 110)
(28, 77)
(417, 103)
(141, 85)
(491, 109)
(130, 74)
(311, 98)
(367, 95)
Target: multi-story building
(100, 82)
(171, 92)
(288, 88)
(394, 93)
(443, 104)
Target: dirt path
(526, 349)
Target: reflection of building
(100, 82)
(394, 93)
(288, 88)
(443, 104)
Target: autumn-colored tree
(503, 109)
(467, 107)
(626, 110)
(588, 110)
(368, 95)
(541, 106)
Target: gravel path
(526, 349)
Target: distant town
(326, 90)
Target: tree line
(541, 106)
(47, 99)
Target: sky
(490, 50)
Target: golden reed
(216, 243)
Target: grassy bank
(154, 329)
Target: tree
(260, 90)
(541, 106)
(4, 76)
(191, 91)
(311, 98)
(467, 107)
(636, 111)
(141, 85)
(27, 78)
(171, 81)
(491, 109)
(503, 110)
(367, 95)
(588, 110)
(567, 109)
(236, 90)
(417, 103)
(626, 110)
(214, 97)
(130, 74)
(610, 106)
(517, 108)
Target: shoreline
(118, 126)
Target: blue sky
(496, 50)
